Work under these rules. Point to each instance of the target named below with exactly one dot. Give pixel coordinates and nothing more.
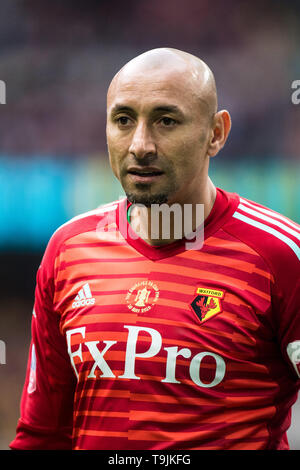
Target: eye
(123, 120)
(167, 121)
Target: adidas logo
(84, 297)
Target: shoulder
(80, 224)
(84, 222)
(272, 235)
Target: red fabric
(139, 347)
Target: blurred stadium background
(57, 59)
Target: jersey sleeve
(285, 266)
(289, 324)
(276, 239)
(47, 399)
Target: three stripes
(286, 228)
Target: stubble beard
(146, 199)
(144, 195)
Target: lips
(144, 175)
(145, 171)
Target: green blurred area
(40, 194)
(271, 183)
(275, 184)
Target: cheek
(114, 159)
(116, 150)
(189, 166)
(188, 157)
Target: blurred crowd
(57, 59)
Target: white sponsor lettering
(98, 358)
(152, 350)
(195, 369)
(173, 353)
(78, 352)
(131, 354)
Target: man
(153, 342)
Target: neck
(163, 224)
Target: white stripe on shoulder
(100, 210)
(266, 218)
(272, 231)
(266, 211)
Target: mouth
(146, 174)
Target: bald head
(185, 67)
(163, 127)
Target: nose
(142, 143)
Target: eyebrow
(169, 108)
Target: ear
(219, 132)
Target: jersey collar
(223, 208)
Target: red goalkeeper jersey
(142, 347)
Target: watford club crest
(207, 303)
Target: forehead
(151, 88)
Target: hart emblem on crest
(207, 303)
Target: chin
(147, 199)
